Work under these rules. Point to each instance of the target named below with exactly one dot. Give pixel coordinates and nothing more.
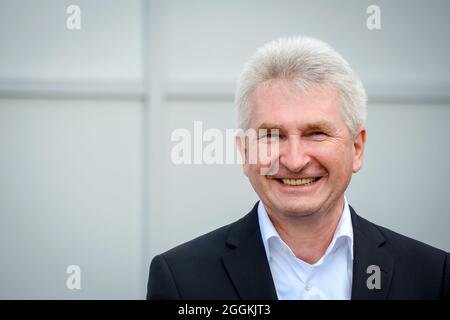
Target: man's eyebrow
(320, 125)
(268, 126)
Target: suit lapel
(246, 263)
(368, 250)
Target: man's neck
(308, 236)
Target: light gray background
(86, 118)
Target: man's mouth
(299, 182)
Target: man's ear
(240, 144)
(359, 144)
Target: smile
(299, 182)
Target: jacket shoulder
(420, 271)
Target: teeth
(298, 182)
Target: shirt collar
(344, 229)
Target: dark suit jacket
(231, 263)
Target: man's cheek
(268, 157)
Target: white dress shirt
(295, 279)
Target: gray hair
(305, 63)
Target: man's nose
(293, 154)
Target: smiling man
(302, 240)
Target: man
(302, 240)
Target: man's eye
(316, 134)
(270, 136)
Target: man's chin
(299, 212)
(296, 209)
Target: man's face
(313, 143)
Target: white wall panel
(404, 181)
(207, 41)
(70, 179)
(37, 46)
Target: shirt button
(308, 287)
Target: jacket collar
(369, 249)
(247, 264)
